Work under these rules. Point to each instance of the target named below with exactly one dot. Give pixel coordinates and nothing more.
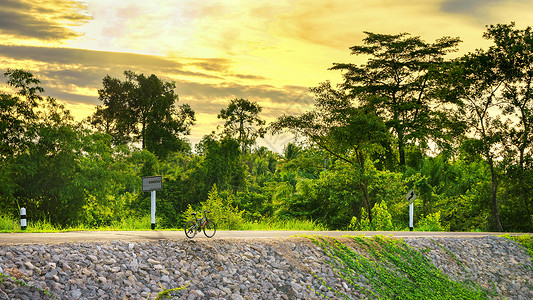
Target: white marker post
(152, 184)
(23, 219)
(411, 213)
(152, 210)
(411, 196)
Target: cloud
(69, 57)
(41, 20)
(477, 9)
(74, 75)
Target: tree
(143, 109)
(17, 111)
(474, 80)
(513, 55)
(243, 122)
(222, 164)
(345, 131)
(397, 83)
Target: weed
(393, 270)
(166, 293)
(23, 283)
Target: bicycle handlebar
(205, 211)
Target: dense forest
(455, 129)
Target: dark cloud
(223, 66)
(42, 20)
(471, 8)
(63, 71)
(98, 59)
(214, 64)
(250, 77)
(204, 96)
(71, 97)
(80, 77)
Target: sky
(269, 52)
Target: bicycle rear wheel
(210, 228)
(190, 229)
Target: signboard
(411, 196)
(152, 183)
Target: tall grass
(277, 224)
(8, 224)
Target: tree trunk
(401, 150)
(495, 223)
(363, 185)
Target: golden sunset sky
(270, 52)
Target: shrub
(431, 222)
(221, 211)
(381, 221)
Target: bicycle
(194, 226)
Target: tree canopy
(143, 109)
(456, 131)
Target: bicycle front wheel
(210, 228)
(190, 229)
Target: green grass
(8, 224)
(390, 269)
(144, 223)
(276, 224)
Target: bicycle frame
(198, 224)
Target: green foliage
(242, 122)
(143, 109)
(8, 223)
(381, 221)
(167, 293)
(431, 222)
(45, 293)
(365, 145)
(397, 83)
(221, 211)
(284, 224)
(389, 269)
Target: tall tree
(474, 80)
(243, 122)
(143, 109)
(342, 129)
(396, 82)
(513, 54)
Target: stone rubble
(283, 268)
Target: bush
(431, 222)
(221, 211)
(8, 224)
(381, 221)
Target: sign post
(411, 196)
(152, 184)
(23, 224)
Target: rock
(274, 269)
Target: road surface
(139, 236)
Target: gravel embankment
(288, 268)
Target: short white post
(23, 219)
(152, 215)
(411, 213)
